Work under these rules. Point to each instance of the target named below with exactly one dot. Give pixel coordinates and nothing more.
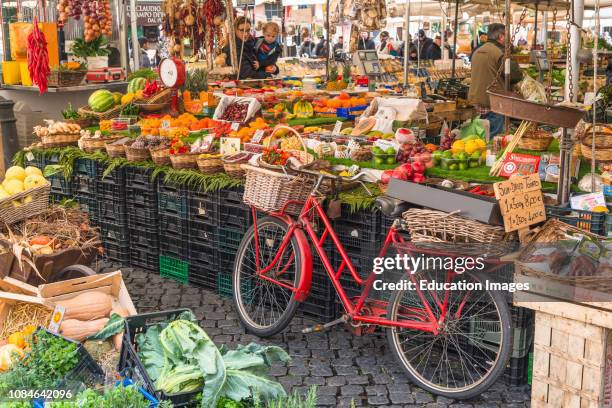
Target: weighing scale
(172, 75)
(540, 59)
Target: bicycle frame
(423, 319)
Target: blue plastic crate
(351, 113)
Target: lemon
(458, 146)
(13, 186)
(15, 173)
(471, 146)
(34, 180)
(3, 193)
(600, 209)
(481, 143)
(31, 171)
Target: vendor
(245, 50)
(365, 42)
(486, 70)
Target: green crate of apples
(462, 155)
(383, 156)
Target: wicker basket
(15, 208)
(92, 144)
(210, 165)
(302, 155)
(65, 78)
(552, 232)
(184, 160)
(161, 97)
(83, 122)
(270, 190)
(538, 144)
(233, 168)
(603, 135)
(601, 155)
(60, 140)
(109, 114)
(161, 157)
(115, 150)
(136, 155)
(437, 226)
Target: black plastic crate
(37, 161)
(137, 197)
(587, 220)
(203, 234)
(138, 215)
(172, 200)
(146, 257)
(203, 274)
(116, 176)
(365, 220)
(83, 184)
(516, 371)
(60, 185)
(174, 248)
(232, 195)
(112, 211)
(145, 236)
(230, 238)
(130, 365)
(204, 207)
(226, 258)
(137, 222)
(139, 177)
(51, 159)
(320, 304)
(173, 227)
(204, 254)
(234, 215)
(85, 167)
(116, 252)
(110, 191)
(88, 204)
(114, 233)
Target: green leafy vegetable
(145, 73)
(115, 325)
(70, 113)
(96, 48)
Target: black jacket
(307, 47)
(270, 58)
(247, 69)
(366, 45)
(434, 52)
(321, 49)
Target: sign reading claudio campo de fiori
(148, 13)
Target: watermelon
(136, 84)
(101, 100)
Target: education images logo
(460, 265)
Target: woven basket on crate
(136, 155)
(65, 78)
(160, 97)
(184, 160)
(210, 165)
(92, 144)
(109, 114)
(25, 204)
(601, 155)
(60, 140)
(302, 155)
(233, 164)
(536, 140)
(115, 149)
(161, 157)
(552, 233)
(271, 190)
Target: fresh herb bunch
(116, 397)
(346, 73)
(146, 73)
(70, 113)
(130, 110)
(49, 360)
(96, 48)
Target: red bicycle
(453, 343)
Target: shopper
(321, 48)
(435, 50)
(144, 60)
(423, 44)
(486, 71)
(482, 39)
(338, 49)
(245, 49)
(384, 47)
(308, 47)
(412, 49)
(268, 49)
(365, 42)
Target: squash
(9, 355)
(79, 330)
(87, 306)
(17, 339)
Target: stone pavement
(344, 367)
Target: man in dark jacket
(321, 48)
(487, 69)
(435, 51)
(423, 44)
(365, 42)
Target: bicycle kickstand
(321, 327)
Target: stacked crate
(173, 228)
(143, 223)
(204, 238)
(112, 214)
(84, 176)
(234, 218)
(61, 187)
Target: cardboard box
(474, 207)
(13, 290)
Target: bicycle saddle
(391, 207)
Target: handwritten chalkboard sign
(520, 201)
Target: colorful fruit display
(303, 109)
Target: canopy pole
(535, 28)
(134, 28)
(455, 37)
(576, 16)
(406, 44)
(123, 35)
(328, 40)
(595, 62)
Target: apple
(403, 135)
(400, 173)
(386, 176)
(418, 178)
(418, 167)
(407, 167)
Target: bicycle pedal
(322, 327)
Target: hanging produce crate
(586, 220)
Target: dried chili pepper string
(38, 58)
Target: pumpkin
(17, 339)
(79, 330)
(42, 240)
(87, 306)
(9, 355)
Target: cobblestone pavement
(344, 367)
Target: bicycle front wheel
(266, 307)
(474, 343)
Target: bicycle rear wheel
(472, 349)
(265, 308)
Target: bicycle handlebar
(332, 176)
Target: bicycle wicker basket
(25, 204)
(271, 190)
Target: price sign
(229, 145)
(235, 126)
(165, 124)
(520, 201)
(56, 319)
(337, 128)
(30, 156)
(257, 136)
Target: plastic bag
(532, 90)
(473, 127)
